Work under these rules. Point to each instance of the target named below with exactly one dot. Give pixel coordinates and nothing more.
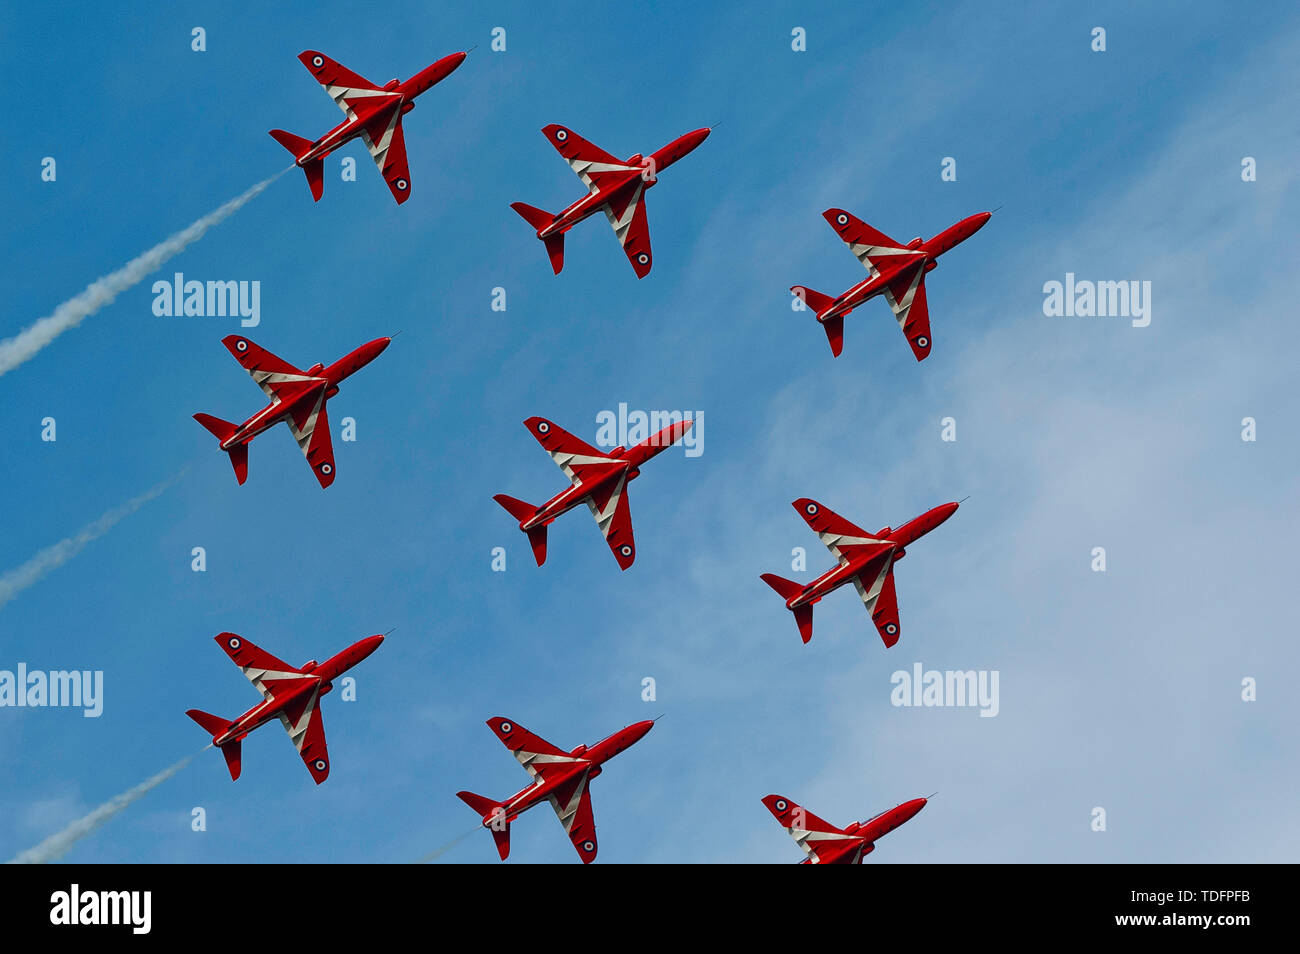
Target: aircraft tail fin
(239, 461)
(218, 428)
(214, 726)
(231, 750)
(494, 820)
(539, 219)
(314, 168)
(295, 144)
(521, 511)
(315, 171)
(222, 431)
(813, 299)
(834, 328)
(788, 589)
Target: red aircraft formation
(297, 398)
(373, 112)
(288, 694)
(615, 187)
(559, 777)
(897, 271)
(827, 845)
(865, 559)
(597, 478)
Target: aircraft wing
(346, 88)
(821, 841)
(387, 145)
(311, 429)
(628, 219)
(841, 537)
(875, 585)
(906, 296)
(275, 376)
(302, 720)
(572, 804)
(538, 757)
(610, 508)
(871, 247)
(267, 674)
(573, 456)
(593, 165)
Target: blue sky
(1118, 689)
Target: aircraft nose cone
(638, 731)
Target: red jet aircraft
(297, 398)
(897, 272)
(615, 188)
(289, 694)
(559, 777)
(599, 480)
(374, 113)
(827, 845)
(865, 559)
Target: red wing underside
(350, 91)
(387, 144)
(302, 720)
(906, 296)
(576, 458)
(872, 248)
(843, 538)
(628, 219)
(572, 804)
(311, 429)
(883, 605)
(538, 757)
(268, 674)
(614, 517)
(597, 169)
(821, 841)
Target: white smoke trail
(58, 844)
(14, 351)
(52, 557)
(439, 852)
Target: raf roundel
(543, 427)
(811, 509)
(320, 765)
(401, 185)
(923, 342)
(625, 550)
(781, 805)
(506, 728)
(891, 628)
(561, 134)
(643, 258)
(241, 345)
(588, 846)
(318, 61)
(326, 469)
(842, 219)
(233, 642)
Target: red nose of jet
(636, 732)
(367, 646)
(692, 139)
(978, 221)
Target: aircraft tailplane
(493, 819)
